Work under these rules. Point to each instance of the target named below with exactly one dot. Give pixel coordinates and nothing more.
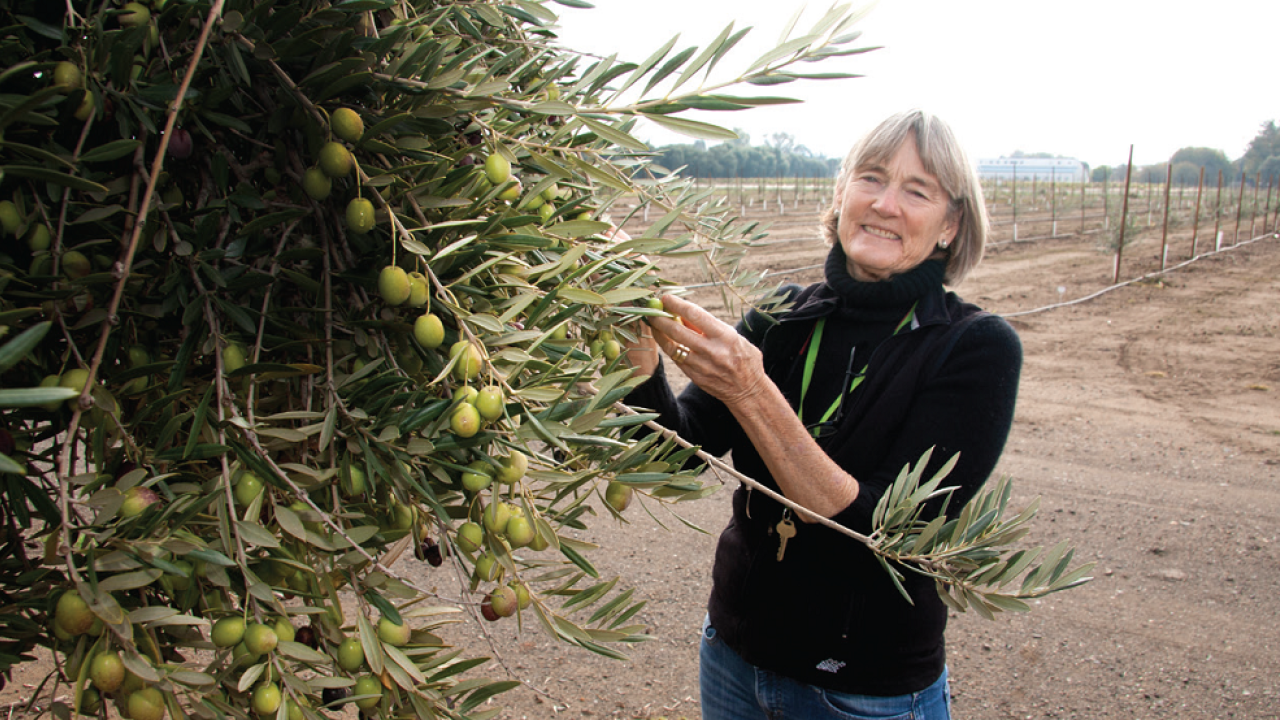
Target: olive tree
(290, 289)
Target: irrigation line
(1148, 276)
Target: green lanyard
(811, 360)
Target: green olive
(497, 168)
(347, 124)
(360, 218)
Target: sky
(1083, 79)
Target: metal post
(1253, 211)
(1053, 199)
(1124, 215)
(1106, 200)
(1083, 193)
(1164, 233)
(1271, 180)
(1217, 216)
(1195, 226)
(1235, 234)
(1275, 223)
(1148, 197)
(1266, 210)
(1015, 202)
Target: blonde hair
(943, 158)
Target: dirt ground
(1148, 422)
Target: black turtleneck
(904, 288)
(866, 314)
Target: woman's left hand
(710, 352)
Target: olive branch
(971, 557)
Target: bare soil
(1148, 423)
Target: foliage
(218, 400)
(729, 160)
(1115, 173)
(1186, 174)
(1200, 157)
(1263, 145)
(969, 555)
(1120, 226)
(1270, 170)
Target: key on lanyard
(786, 530)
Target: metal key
(786, 530)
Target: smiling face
(893, 215)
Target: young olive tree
(291, 287)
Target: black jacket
(828, 614)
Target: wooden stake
(1217, 215)
(1053, 199)
(1015, 202)
(1266, 210)
(1164, 233)
(1124, 215)
(1195, 226)
(1253, 211)
(1235, 234)
(1083, 193)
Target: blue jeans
(733, 689)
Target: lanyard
(811, 359)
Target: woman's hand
(643, 353)
(710, 352)
(730, 368)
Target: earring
(942, 244)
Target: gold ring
(680, 354)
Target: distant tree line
(1262, 156)
(780, 156)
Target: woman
(861, 376)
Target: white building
(1026, 168)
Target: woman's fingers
(680, 338)
(710, 352)
(692, 330)
(697, 318)
(668, 344)
(693, 322)
(643, 353)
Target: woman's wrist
(751, 393)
